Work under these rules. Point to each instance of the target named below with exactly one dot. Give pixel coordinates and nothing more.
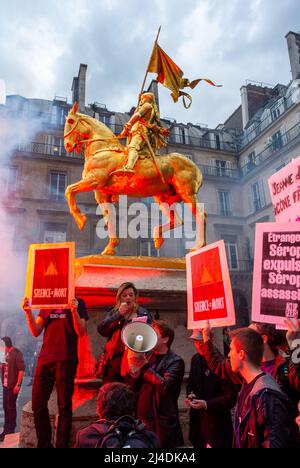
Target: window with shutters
(54, 232)
(224, 203)
(258, 196)
(57, 185)
(232, 256)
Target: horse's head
(76, 131)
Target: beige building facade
(236, 159)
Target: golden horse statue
(173, 179)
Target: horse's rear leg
(71, 191)
(106, 206)
(174, 219)
(200, 217)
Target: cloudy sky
(42, 43)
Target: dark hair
(7, 341)
(165, 330)
(115, 400)
(251, 342)
(120, 291)
(275, 337)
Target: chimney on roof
(253, 98)
(293, 42)
(79, 88)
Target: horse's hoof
(197, 247)
(158, 242)
(108, 251)
(80, 220)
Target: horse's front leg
(71, 191)
(110, 218)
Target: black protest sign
(276, 277)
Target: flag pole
(145, 77)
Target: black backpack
(126, 432)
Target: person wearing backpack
(117, 427)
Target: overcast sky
(42, 43)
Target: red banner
(209, 289)
(50, 275)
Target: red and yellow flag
(171, 76)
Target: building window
(55, 146)
(232, 256)
(58, 115)
(104, 118)
(54, 232)
(224, 203)
(251, 160)
(277, 140)
(221, 168)
(258, 196)
(57, 185)
(12, 173)
(147, 249)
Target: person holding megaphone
(125, 311)
(155, 373)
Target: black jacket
(264, 421)
(111, 327)
(285, 373)
(94, 435)
(212, 426)
(158, 391)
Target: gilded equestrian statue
(169, 179)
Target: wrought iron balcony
(273, 148)
(48, 150)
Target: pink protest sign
(276, 277)
(285, 192)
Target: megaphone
(140, 337)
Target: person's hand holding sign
(79, 323)
(207, 332)
(293, 333)
(74, 305)
(26, 306)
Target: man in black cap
(12, 375)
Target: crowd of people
(249, 399)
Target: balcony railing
(200, 142)
(261, 125)
(271, 149)
(49, 150)
(224, 172)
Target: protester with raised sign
(57, 364)
(125, 310)
(262, 417)
(210, 400)
(282, 369)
